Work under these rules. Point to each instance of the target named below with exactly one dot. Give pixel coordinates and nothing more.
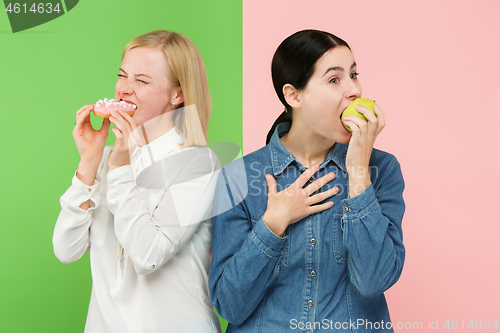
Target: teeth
(111, 102)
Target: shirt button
(346, 209)
(306, 332)
(90, 190)
(153, 266)
(310, 303)
(313, 273)
(313, 241)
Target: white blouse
(149, 247)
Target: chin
(341, 134)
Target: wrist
(112, 166)
(277, 226)
(87, 171)
(358, 185)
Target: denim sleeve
(372, 233)
(244, 256)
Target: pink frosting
(106, 105)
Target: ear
(291, 96)
(177, 96)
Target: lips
(341, 113)
(129, 102)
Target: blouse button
(153, 266)
(310, 303)
(90, 190)
(346, 209)
(313, 273)
(313, 241)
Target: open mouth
(128, 104)
(343, 112)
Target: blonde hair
(187, 71)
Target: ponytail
(285, 117)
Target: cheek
(117, 86)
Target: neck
(307, 147)
(156, 127)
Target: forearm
(374, 244)
(241, 274)
(71, 233)
(376, 253)
(359, 179)
(86, 173)
(154, 225)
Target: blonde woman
(149, 244)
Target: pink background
(433, 67)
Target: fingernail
(268, 177)
(330, 203)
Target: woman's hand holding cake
(90, 144)
(124, 125)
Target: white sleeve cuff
(79, 193)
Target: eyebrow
(121, 69)
(338, 68)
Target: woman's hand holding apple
(363, 137)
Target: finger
(318, 183)
(354, 125)
(117, 121)
(323, 195)
(128, 119)
(120, 123)
(367, 113)
(82, 118)
(380, 117)
(319, 208)
(105, 125)
(271, 184)
(84, 108)
(118, 134)
(306, 175)
(372, 120)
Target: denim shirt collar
(281, 157)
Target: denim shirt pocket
(339, 250)
(285, 251)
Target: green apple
(351, 109)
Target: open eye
(334, 80)
(354, 76)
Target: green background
(49, 72)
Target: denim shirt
(329, 270)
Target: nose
(353, 89)
(125, 88)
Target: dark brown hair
(294, 62)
